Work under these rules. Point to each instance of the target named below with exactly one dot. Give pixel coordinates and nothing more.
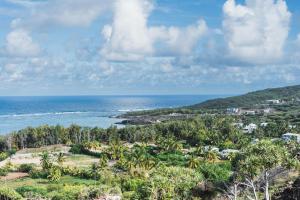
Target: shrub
(26, 168)
(12, 151)
(92, 192)
(131, 184)
(3, 171)
(34, 173)
(76, 149)
(68, 193)
(79, 149)
(9, 194)
(54, 174)
(3, 156)
(26, 191)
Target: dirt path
(13, 176)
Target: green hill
(251, 99)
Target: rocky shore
(149, 119)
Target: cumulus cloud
(179, 41)
(129, 37)
(257, 31)
(19, 43)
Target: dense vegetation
(161, 161)
(209, 130)
(174, 159)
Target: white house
(233, 111)
(291, 137)
(211, 148)
(249, 112)
(292, 126)
(273, 101)
(264, 124)
(250, 128)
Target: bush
(68, 193)
(79, 149)
(3, 171)
(3, 156)
(26, 168)
(131, 184)
(76, 149)
(92, 192)
(34, 173)
(9, 194)
(12, 151)
(31, 191)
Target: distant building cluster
(250, 128)
(241, 111)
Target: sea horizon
(18, 112)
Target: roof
(291, 134)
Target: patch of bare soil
(13, 176)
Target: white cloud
(66, 12)
(129, 37)
(179, 41)
(20, 43)
(256, 32)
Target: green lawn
(65, 180)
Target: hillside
(251, 99)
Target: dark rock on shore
(147, 119)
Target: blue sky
(95, 47)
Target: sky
(125, 47)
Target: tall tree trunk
(267, 195)
(235, 191)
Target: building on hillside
(250, 128)
(274, 101)
(232, 111)
(263, 124)
(292, 126)
(267, 111)
(291, 137)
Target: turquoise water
(20, 112)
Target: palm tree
(116, 151)
(176, 145)
(94, 170)
(103, 161)
(148, 162)
(54, 174)
(45, 161)
(193, 162)
(211, 156)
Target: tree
(261, 159)
(54, 174)
(116, 150)
(103, 161)
(211, 156)
(193, 162)
(45, 161)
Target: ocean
(90, 111)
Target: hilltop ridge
(252, 98)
